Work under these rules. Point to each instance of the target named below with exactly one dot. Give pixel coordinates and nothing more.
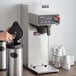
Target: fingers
(9, 37)
(5, 36)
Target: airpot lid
(16, 31)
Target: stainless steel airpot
(15, 53)
(2, 55)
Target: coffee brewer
(36, 23)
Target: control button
(48, 21)
(45, 21)
(41, 21)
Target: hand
(5, 36)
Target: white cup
(58, 52)
(66, 62)
(61, 47)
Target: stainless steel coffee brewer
(15, 53)
(2, 55)
(36, 23)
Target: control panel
(48, 19)
(43, 19)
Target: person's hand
(5, 36)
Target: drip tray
(44, 70)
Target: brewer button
(45, 22)
(41, 21)
(48, 21)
